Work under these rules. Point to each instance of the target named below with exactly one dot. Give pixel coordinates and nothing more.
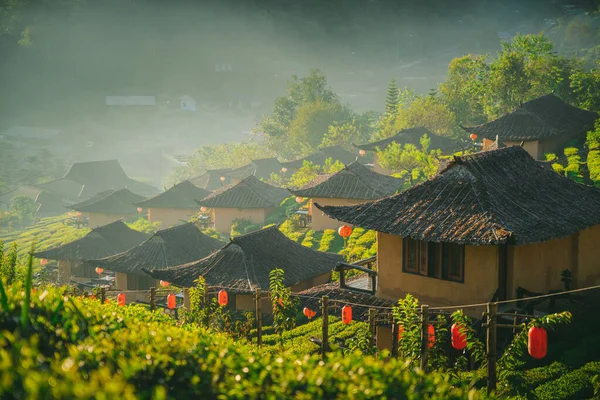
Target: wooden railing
(358, 266)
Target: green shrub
(331, 241)
(288, 228)
(523, 382)
(308, 240)
(571, 386)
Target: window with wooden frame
(435, 260)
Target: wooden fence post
(102, 295)
(325, 325)
(152, 298)
(492, 309)
(424, 337)
(394, 338)
(372, 326)
(258, 319)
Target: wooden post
(424, 337)
(491, 346)
(394, 338)
(152, 298)
(102, 295)
(374, 283)
(372, 326)
(325, 325)
(342, 278)
(258, 319)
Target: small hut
(261, 169)
(543, 125)
(108, 206)
(488, 225)
(101, 242)
(410, 136)
(168, 247)
(336, 153)
(175, 205)
(212, 179)
(244, 265)
(249, 199)
(354, 184)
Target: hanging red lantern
(121, 299)
(171, 301)
(222, 179)
(345, 231)
(284, 170)
(140, 209)
(79, 213)
(400, 332)
(299, 199)
(362, 152)
(164, 283)
(537, 343)
(431, 334)
(99, 270)
(346, 314)
(308, 312)
(203, 209)
(459, 339)
(223, 298)
(43, 261)
(473, 136)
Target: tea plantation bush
(70, 347)
(574, 385)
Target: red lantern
(223, 298)
(345, 231)
(43, 261)
(431, 334)
(299, 199)
(346, 314)
(107, 301)
(139, 209)
(222, 179)
(79, 213)
(537, 344)
(99, 270)
(308, 312)
(164, 283)
(400, 332)
(203, 209)
(171, 301)
(284, 170)
(473, 136)
(121, 299)
(362, 152)
(459, 339)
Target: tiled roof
(248, 193)
(183, 195)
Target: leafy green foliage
(410, 162)
(288, 228)
(24, 209)
(8, 263)
(143, 225)
(283, 305)
(331, 241)
(577, 384)
(361, 244)
(406, 317)
(241, 226)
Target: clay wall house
(352, 185)
(409, 136)
(108, 206)
(166, 248)
(101, 242)
(212, 179)
(244, 264)
(249, 199)
(174, 206)
(336, 153)
(261, 169)
(543, 125)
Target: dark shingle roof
(355, 181)
(64, 187)
(262, 169)
(119, 202)
(413, 136)
(248, 193)
(491, 197)
(168, 247)
(102, 241)
(183, 195)
(336, 153)
(244, 264)
(211, 179)
(541, 118)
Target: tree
(24, 207)
(430, 112)
(358, 130)
(409, 161)
(392, 99)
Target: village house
(486, 226)
(166, 248)
(101, 242)
(335, 153)
(212, 179)
(175, 205)
(352, 185)
(543, 125)
(244, 264)
(250, 199)
(261, 169)
(47, 204)
(409, 136)
(108, 206)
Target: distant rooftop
(248, 193)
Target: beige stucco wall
(120, 281)
(223, 217)
(531, 147)
(169, 217)
(96, 220)
(245, 302)
(320, 221)
(480, 283)
(588, 273)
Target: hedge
(574, 385)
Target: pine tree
(391, 101)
